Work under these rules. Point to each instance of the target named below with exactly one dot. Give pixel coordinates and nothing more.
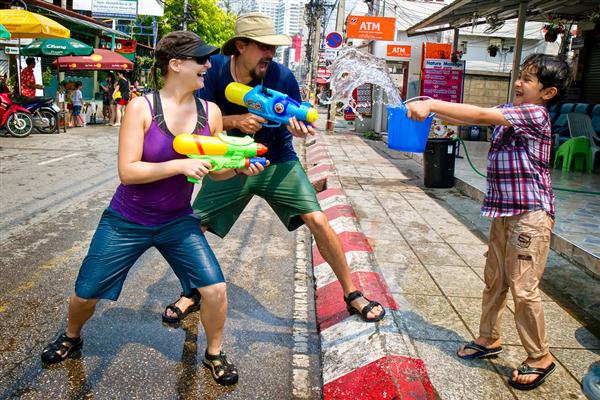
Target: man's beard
(258, 76)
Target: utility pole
(314, 12)
(339, 27)
(185, 14)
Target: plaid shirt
(518, 166)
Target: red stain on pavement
(317, 158)
(340, 210)
(330, 193)
(351, 241)
(331, 307)
(318, 169)
(393, 377)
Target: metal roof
(83, 22)
(464, 13)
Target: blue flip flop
(480, 351)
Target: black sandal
(60, 349)
(526, 369)
(223, 372)
(182, 314)
(365, 310)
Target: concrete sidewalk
(428, 246)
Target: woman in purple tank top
(151, 207)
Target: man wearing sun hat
(247, 58)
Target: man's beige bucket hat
(258, 27)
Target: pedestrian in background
(113, 104)
(28, 85)
(122, 89)
(3, 85)
(77, 100)
(105, 90)
(520, 200)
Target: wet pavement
(429, 245)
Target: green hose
(555, 188)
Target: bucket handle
(419, 98)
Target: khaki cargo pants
(517, 253)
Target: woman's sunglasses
(200, 60)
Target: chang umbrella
(101, 59)
(57, 47)
(25, 24)
(4, 34)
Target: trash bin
(438, 162)
(474, 133)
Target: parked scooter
(43, 111)
(15, 118)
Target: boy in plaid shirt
(519, 198)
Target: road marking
(58, 159)
(300, 358)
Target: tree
(204, 17)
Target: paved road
(54, 188)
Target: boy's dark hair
(551, 71)
(29, 61)
(78, 84)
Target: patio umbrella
(4, 34)
(57, 47)
(101, 59)
(25, 24)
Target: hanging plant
(493, 50)
(595, 15)
(456, 56)
(553, 28)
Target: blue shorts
(118, 243)
(76, 110)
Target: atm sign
(367, 27)
(395, 50)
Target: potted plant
(493, 49)
(456, 56)
(553, 28)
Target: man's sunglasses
(264, 47)
(200, 60)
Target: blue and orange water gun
(270, 104)
(221, 151)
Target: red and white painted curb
(360, 360)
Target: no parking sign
(334, 40)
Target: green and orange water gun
(221, 151)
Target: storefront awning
(463, 13)
(101, 29)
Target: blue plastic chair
(581, 125)
(553, 112)
(581, 108)
(596, 119)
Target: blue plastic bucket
(405, 134)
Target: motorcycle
(43, 110)
(17, 119)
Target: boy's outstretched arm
(456, 112)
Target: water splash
(353, 68)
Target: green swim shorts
(284, 186)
